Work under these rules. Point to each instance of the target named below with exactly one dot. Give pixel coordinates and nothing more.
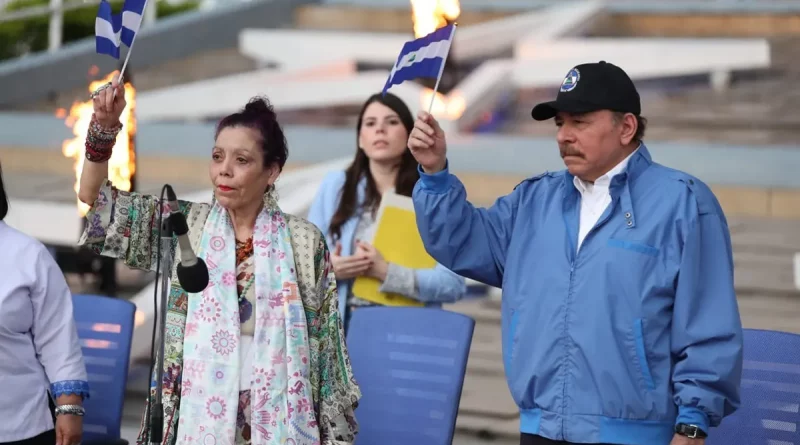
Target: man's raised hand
(427, 143)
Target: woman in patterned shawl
(259, 356)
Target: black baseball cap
(592, 87)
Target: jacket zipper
(568, 343)
(603, 219)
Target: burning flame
(449, 107)
(122, 164)
(430, 15)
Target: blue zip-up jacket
(619, 341)
(436, 286)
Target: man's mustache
(569, 151)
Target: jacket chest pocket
(637, 270)
(633, 246)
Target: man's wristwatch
(690, 431)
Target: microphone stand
(157, 412)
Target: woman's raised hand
(109, 103)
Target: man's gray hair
(641, 125)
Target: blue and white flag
(111, 30)
(423, 57)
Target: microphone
(192, 271)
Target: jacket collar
(621, 183)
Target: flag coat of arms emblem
(571, 81)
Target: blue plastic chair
(410, 365)
(770, 410)
(105, 328)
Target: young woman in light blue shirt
(346, 204)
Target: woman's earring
(271, 197)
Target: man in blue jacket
(619, 318)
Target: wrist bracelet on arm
(96, 153)
(75, 410)
(103, 132)
(100, 141)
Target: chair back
(105, 329)
(770, 409)
(410, 364)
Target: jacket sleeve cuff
(693, 416)
(438, 182)
(68, 387)
(400, 280)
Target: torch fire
(430, 15)
(122, 164)
(449, 107)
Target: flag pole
(441, 68)
(130, 48)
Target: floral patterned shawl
(124, 225)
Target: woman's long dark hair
(407, 174)
(3, 197)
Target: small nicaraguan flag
(107, 27)
(423, 57)
(111, 30)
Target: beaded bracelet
(75, 410)
(101, 131)
(94, 139)
(97, 156)
(100, 140)
(98, 152)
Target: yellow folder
(397, 238)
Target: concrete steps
(758, 108)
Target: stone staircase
(758, 108)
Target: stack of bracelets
(100, 141)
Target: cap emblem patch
(571, 81)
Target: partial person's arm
(124, 225)
(54, 334)
(706, 328)
(470, 241)
(100, 142)
(435, 285)
(107, 108)
(120, 224)
(429, 285)
(337, 388)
